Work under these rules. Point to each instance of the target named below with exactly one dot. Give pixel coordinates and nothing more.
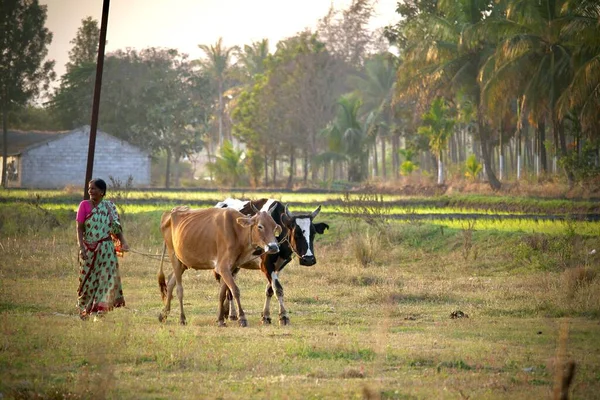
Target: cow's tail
(161, 275)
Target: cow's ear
(244, 221)
(320, 227)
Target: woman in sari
(100, 236)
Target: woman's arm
(124, 245)
(80, 242)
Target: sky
(183, 24)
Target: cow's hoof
(182, 322)
(284, 321)
(221, 324)
(265, 321)
(162, 317)
(243, 323)
(233, 318)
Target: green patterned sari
(100, 287)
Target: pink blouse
(85, 207)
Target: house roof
(20, 141)
(17, 141)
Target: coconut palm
(582, 31)
(376, 87)
(533, 62)
(218, 64)
(347, 139)
(251, 59)
(438, 127)
(445, 58)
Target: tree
(375, 86)
(347, 35)
(347, 139)
(85, 44)
(438, 129)
(532, 63)
(217, 65)
(582, 96)
(228, 168)
(71, 103)
(251, 59)
(24, 45)
(445, 54)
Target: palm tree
(217, 65)
(346, 138)
(251, 59)
(445, 58)
(228, 168)
(438, 129)
(583, 94)
(533, 63)
(376, 88)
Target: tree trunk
(274, 170)
(176, 172)
(305, 167)
(383, 168)
(541, 147)
(290, 181)
(4, 143)
(501, 154)
(563, 148)
(220, 90)
(518, 151)
(395, 155)
(266, 170)
(440, 174)
(210, 159)
(375, 163)
(168, 169)
(485, 154)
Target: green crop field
(395, 308)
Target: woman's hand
(83, 253)
(124, 246)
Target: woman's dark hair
(100, 184)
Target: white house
(58, 159)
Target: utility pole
(96, 103)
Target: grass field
(371, 320)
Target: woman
(98, 231)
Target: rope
(149, 255)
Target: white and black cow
(297, 237)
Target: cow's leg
(223, 303)
(170, 285)
(178, 279)
(227, 277)
(266, 313)
(233, 316)
(278, 289)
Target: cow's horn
(314, 213)
(256, 210)
(287, 211)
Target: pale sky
(183, 24)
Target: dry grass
(370, 320)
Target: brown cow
(217, 239)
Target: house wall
(63, 161)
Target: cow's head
(263, 230)
(301, 234)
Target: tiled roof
(21, 140)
